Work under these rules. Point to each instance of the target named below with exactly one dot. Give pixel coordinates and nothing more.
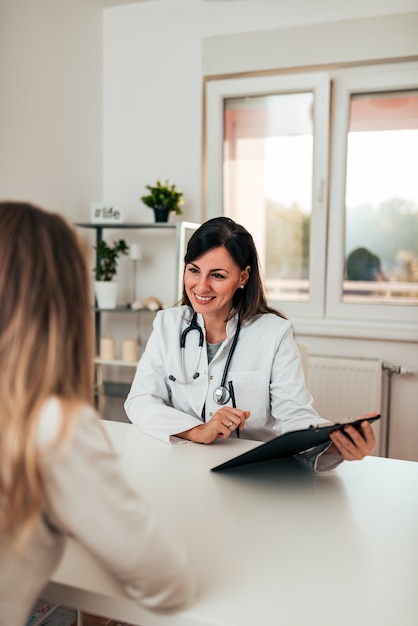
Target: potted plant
(105, 269)
(163, 198)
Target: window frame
(344, 84)
(324, 315)
(217, 91)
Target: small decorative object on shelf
(149, 304)
(105, 270)
(107, 348)
(129, 350)
(105, 213)
(163, 198)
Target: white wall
(153, 83)
(153, 99)
(51, 103)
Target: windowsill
(381, 331)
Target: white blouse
(89, 499)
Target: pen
(234, 406)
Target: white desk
(269, 545)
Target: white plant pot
(106, 294)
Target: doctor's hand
(353, 444)
(224, 422)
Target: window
(276, 148)
(267, 140)
(268, 160)
(373, 236)
(382, 198)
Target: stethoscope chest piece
(221, 395)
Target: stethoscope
(222, 394)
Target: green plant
(107, 257)
(165, 196)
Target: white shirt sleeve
(148, 402)
(291, 402)
(89, 498)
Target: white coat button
(210, 377)
(210, 414)
(197, 407)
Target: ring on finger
(228, 425)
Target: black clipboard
(291, 443)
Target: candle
(135, 252)
(107, 348)
(129, 350)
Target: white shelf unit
(182, 232)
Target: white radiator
(347, 388)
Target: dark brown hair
(222, 231)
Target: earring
(242, 286)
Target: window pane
(268, 154)
(381, 224)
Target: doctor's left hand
(353, 444)
(224, 422)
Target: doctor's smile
(213, 279)
(203, 300)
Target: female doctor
(226, 363)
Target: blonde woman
(58, 473)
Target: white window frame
(217, 91)
(325, 314)
(345, 84)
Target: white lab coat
(266, 371)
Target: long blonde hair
(46, 347)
